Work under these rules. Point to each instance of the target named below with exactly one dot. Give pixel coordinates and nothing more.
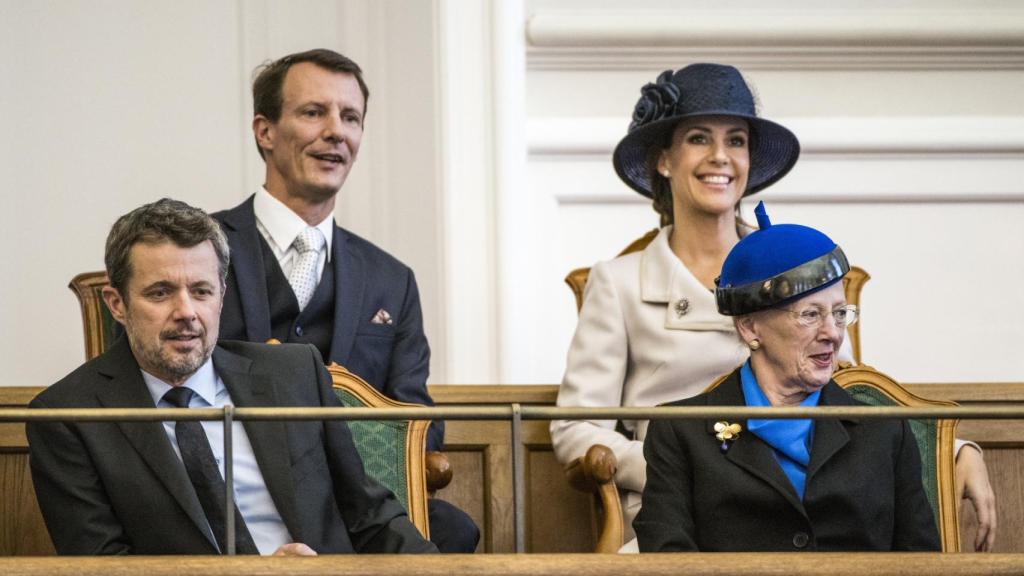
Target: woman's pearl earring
(664, 173)
(754, 344)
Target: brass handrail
(526, 412)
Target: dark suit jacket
(863, 490)
(119, 488)
(393, 358)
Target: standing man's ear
(263, 130)
(115, 303)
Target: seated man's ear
(115, 303)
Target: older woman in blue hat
(746, 486)
(649, 331)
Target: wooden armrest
(592, 470)
(594, 473)
(439, 471)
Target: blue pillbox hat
(777, 264)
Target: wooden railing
(482, 455)
(751, 564)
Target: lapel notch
(830, 436)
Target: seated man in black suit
(298, 277)
(158, 488)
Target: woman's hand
(972, 483)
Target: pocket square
(382, 317)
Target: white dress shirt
(279, 226)
(251, 495)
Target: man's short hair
(165, 220)
(267, 87)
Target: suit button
(800, 540)
(298, 330)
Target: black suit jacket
(863, 490)
(393, 358)
(119, 488)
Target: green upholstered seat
(393, 451)
(382, 445)
(926, 432)
(934, 441)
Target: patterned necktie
(304, 277)
(205, 476)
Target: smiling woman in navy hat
(649, 331)
(720, 486)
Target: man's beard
(153, 357)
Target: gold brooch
(726, 433)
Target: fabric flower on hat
(657, 100)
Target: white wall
(110, 104)
(486, 161)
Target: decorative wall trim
(778, 39)
(879, 159)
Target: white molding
(516, 249)
(777, 39)
(877, 159)
(834, 134)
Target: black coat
(863, 490)
(119, 488)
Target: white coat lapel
(664, 280)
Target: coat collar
(756, 457)
(248, 268)
(665, 280)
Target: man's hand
(972, 483)
(294, 549)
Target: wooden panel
(491, 393)
(763, 564)
(22, 532)
(466, 489)
(559, 519)
(1006, 472)
(482, 484)
(12, 437)
(18, 396)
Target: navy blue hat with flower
(702, 90)
(775, 265)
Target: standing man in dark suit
(158, 488)
(298, 277)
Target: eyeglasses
(814, 316)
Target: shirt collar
(204, 383)
(282, 225)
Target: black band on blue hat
(764, 294)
